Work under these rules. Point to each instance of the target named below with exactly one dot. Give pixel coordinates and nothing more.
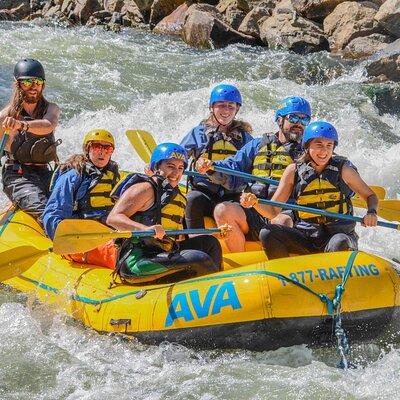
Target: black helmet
(28, 68)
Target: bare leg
(233, 215)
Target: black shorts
(256, 222)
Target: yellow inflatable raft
(253, 304)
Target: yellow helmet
(99, 134)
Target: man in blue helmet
(216, 138)
(267, 157)
(156, 203)
(319, 179)
(30, 121)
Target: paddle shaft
(239, 174)
(176, 232)
(325, 213)
(3, 142)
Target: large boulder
(233, 11)
(365, 46)
(203, 28)
(14, 9)
(348, 21)
(386, 97)
(67, 6)
(315, 9)
(293, 33)
(172, 24)
(144, 7)
(250, 24)
(388, 16)
(386, 64)
(113, 5)
(162, 8)
(131, 14)
(85, 8)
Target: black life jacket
(30, 148)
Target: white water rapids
(143, 81)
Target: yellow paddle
(143, 142)
(16, 261)
(80, 235)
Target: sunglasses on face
(30, 81)
(295, 119)
(98, 147)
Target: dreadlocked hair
(15, 105)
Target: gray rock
(315, 9)
(172, 24)
(113, 5)
(365, 46)
(386, 97)
(385, 65)
(348, 21)
(85, 8)
(162, 8)
(250, 24)
(233, 11)
(131, 14)
(203, 28)
(388, 16)
(293, 33)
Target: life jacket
(219, 146)
(270, 161)
(97, 201)
(169, 204)
(326, 191)
(29, 148)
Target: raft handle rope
(334, 309)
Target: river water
(138, 80)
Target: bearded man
(268, 157)
(29, 120)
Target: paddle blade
(387, 209)
(16, 261)
(143, 142)
(81, 235)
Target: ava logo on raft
(189, 306)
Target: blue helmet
(292, 105)
(224, 92)
(320, 129)
(168, 151)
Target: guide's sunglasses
(98, 147)
(295, 119)
(28, 82)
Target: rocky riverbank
(351, 29)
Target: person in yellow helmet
(81, 186)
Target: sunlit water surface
(138, 80)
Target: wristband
(371, 211)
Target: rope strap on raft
(333, 306)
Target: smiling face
(31, 89)
(225, 111)
(293, 131)
(172, 170)
(100, 153)
(321, 151)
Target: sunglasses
(295, 119)
(98, 147)
(28, 82)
